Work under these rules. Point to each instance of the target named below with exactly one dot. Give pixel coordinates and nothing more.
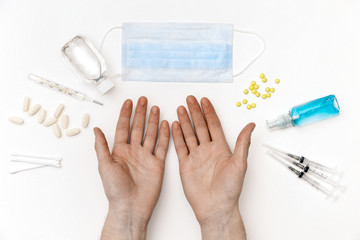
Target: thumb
(101, 147)
(242, 146)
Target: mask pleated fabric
(177, 52)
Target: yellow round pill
(264, 80)
(264, 96)
(244, 101)
(249, 106)
(253, 105)
(246, 91)
(251, 87)
(257, 94)
(277, 80)
(254, 91)
(268, 95)
(253, 82)
(262, 75)
(238, 104)
(267, 89)
(256, 86)
(272, 89)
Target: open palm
(132, 174)
(211, 175)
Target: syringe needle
(275, 149)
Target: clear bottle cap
(105, 86)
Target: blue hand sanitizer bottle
(310, 112)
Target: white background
(312, 46)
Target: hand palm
(133, 169)
(132, 174)
(217, 177)
(211, 175)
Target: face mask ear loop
(257, 57)
(102, 43)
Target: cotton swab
(27, 169)
(41, 161)
(29, 160)
(36, 156)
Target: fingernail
(182, 110)
(176, 125)
(190, 99)
(154, 109)
(253, 127)
(142, 101)
(164, 124)
(205, 101)
(127, 103)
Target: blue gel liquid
(316, 110)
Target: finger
(242, 146)
(187, 130)
(212, 120)
(123, 124)
(152, 129)
(197, 117)
(164, 137)
(101, 147)
(179, 142)
(137, 129)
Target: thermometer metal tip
(94, 101)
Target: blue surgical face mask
(178, 52)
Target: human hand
(132, 174)
(212, 176)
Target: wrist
(122, 224)
(223, 225)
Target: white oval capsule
(85, 120)
(56, 129)
(73, 132)
(41, 116)
(34, 109)
(59, 110)
(50, 121)
(64, 121)
(16, 120)
(26, 104)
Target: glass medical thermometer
(60, 88)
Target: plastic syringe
(60, 88)
(307, 168)
(302, 175)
